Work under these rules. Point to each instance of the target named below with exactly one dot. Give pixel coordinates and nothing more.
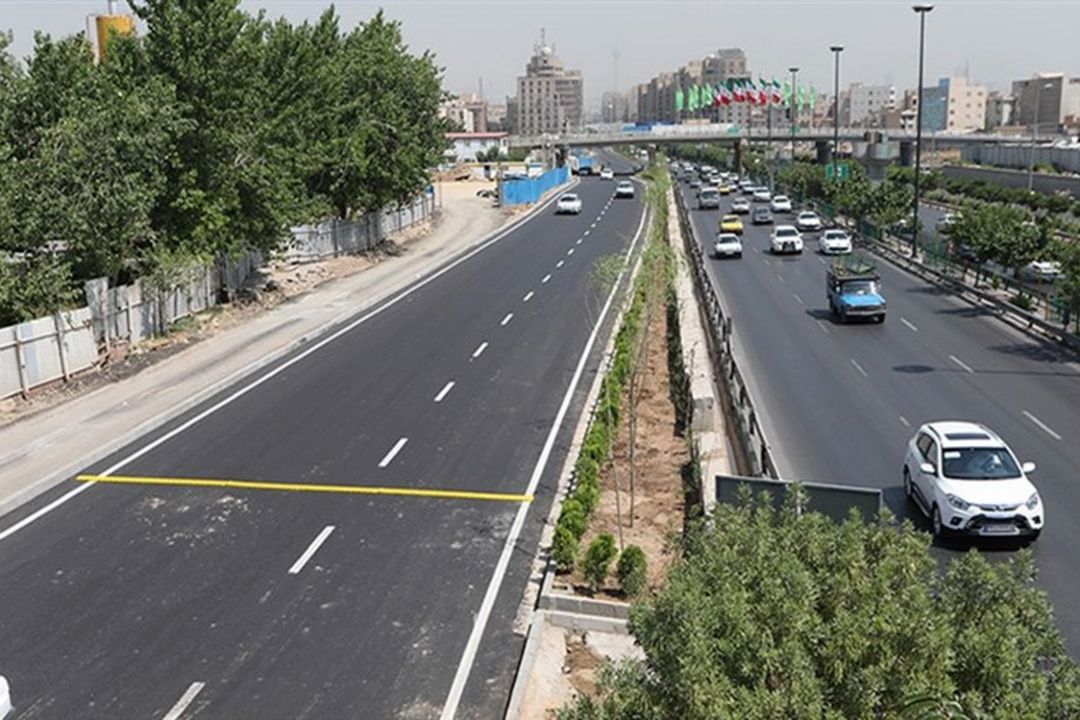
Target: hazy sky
(997, 41)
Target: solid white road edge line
(186, 699)
(444, 392)
(962, 364)
(468, 657)
(909, 325)
(479, 350)
(311, 550)
(389, 458)
(507, 319)
(858, 367)
(83, 487)
(1043, 425)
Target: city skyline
(879, 37)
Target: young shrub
(598, 559)
(631, 570)
(588, 494)
(564, 549)
(574, 517)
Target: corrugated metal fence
(44, 350)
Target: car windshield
(727, 239)
(807, 216)
(835, 235)
(981, 463)
(786, 232)
(568, 198)
(781, 198)
(729, 218)
(860, 287)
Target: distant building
(1000, 110)
(468, 112)
(614, 107)
(496, 118)
(864, 103)
(954, 106)
(467, 144)
(550, 98)
(1058, 98)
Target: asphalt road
(839, 402)
(128, 601)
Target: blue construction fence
(529, 190)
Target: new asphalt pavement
(197, 600)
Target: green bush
(573, 516)
(598, 558)
(588, 494)
(564, 549)
(1023, 302)
(631, 570)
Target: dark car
(761, 216)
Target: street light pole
(791, 109)
(836, 50)
(1035, 130)
(921, 9)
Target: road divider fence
(752, 449)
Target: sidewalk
(43, 449)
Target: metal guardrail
(833, 501)
(755, 453)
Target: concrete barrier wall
(1018, 157)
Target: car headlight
(1033, 501)
(957, 502)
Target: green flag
(692, 103)
(787, 92)
(813, 96)
(800, 97)
(678, 100)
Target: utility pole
(791, 108)
(922, 10)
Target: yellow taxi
(724, 189)
(731, 224)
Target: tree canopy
(209, 134)
(774, 615)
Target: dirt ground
(660, 454)
(276, 283)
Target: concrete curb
(707, 424)
(42, 485)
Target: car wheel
(936, 524)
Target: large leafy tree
(774, 615)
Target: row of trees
(1007, 234)
(210, 134)
(772, 614)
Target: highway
(147, 601)
(839, 402)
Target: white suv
(785, 239)
(967, 480)
(5, 698)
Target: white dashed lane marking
(444, 392)
(1042, 425)
(311, 550)
(479, 350)
(962, 364)
(858, 367)
(909, 325)
(507, 319)
(528, 296)
(389, 457)
(186, 699)
(546, 278)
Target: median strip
(304, 487)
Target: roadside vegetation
(996, 230)
(772, 614)
(208, 135)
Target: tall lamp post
(1035, 129)
(836, 50)
(921, 9)
(791, 109)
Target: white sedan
(834, 242)
(781, 203)
(607, 174)
(967, 480)
(568, 204)
(762, 195)
(5, 698)
(808, 221)
(786, 239)
(1043, 271)
(625, 189)
(727, 245)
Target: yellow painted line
(302, 487)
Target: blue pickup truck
(854, 291)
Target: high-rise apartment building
(954, 106)
(864, 104)
(550, 98)
(1057, 96)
